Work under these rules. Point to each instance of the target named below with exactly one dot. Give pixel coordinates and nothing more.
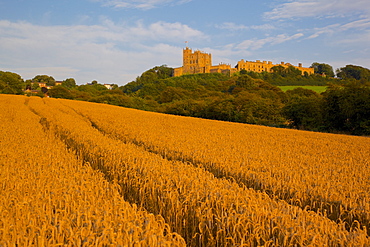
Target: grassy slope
(317, 89)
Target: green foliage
(94, 89)
(60, 92)
(11, 83)
(245, 81)
(150, 76)
(80, 95)
(246, 97)
(250, 98)
(49, 80)
(317, 89)
(301, 92)
(290, 71)
(216, 96)
(353, 72)
(347, 108)
(69, 83)
(112, 99)
(290, 76)
(35, 86)
(258, 108)
(170, 94)
(323, 69)
(303, 109)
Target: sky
(115, 41)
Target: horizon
(115, 41)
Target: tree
(347, 108)
(11, 83)
(292, 71)
(35, 86)
(304, 112)
(31, 86)
(301, 92)
(252, 107)
(354, 72)
(113, 99)
(49, 80)
(154, 74)
(243, 72)
(69, 83)
(60, 92)
(93, 89)
(323, 69)
(289, 71)
(172, 93)
(278, 70)
(245, 81)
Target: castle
(200, 62)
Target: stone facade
(200, 62)
(259, 66)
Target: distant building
(109, 86)
(42, 84)
(264, 66)
(200, 62)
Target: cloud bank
(111, 51)
(318, 8)
(140, 4)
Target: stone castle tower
(199, 62)
(196, 62)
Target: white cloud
(226, 54)
(165, 31)
(232, 26)
(357, 26)
(140, 4)
(358, 39)
(328, 30)
(238, 27)
(318, 8)
(106, 52)
(256, 44)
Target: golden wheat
(204, 209)
(49, 198)
(326, 173)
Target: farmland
(317, 89)
(81, 174)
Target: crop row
(326, 173)
(50, 198)
(205, 210)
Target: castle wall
(200, 62)
(264, 66)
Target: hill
(245, 97)
(248, 97)
(77, 173)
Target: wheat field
(85, 174)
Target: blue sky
(114, 41)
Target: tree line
(245, 97)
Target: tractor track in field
(322, 206)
